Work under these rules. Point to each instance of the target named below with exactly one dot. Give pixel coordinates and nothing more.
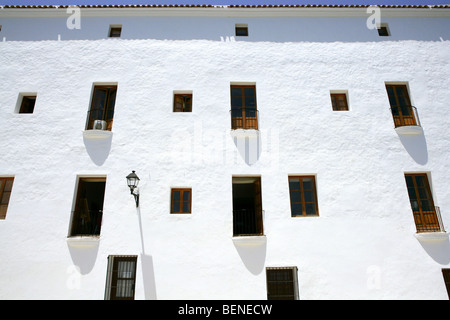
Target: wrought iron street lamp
(133, 181)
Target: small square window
(27, 104)
(180, 200)
(182, 102)
(241, 30)
(115, 31)
(339, 101)
(383, 30)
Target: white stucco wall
(361, 246)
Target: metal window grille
(282, 283)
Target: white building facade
(294, 152)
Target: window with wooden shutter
(282, 283)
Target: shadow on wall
(438, 250)
(84, 256)
(148, 275)
(253, 256)
(416, 146)
(98, 149)
(249, 147)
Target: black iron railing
(86, 223)
(429, 220)
(98, 120)
(244, 118)
(247, 222)
(405, 116)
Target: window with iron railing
(244, 114)
(101, 113)
(427, 216)
(403, 113)
(247, 207)
(87, 216)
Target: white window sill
(85, 241)
(409, 130)
(432, 236)
(245, 133)
(97, 134)
(249, 240)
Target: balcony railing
(86, 223)
(429, 220)
(98, 114)
(247, 222)
(405, 116)
(244, 118)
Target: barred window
(282, 283)
(120, 278)
(339, 101)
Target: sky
(223, 2)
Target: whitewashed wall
(362, 245)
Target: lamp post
(133, 181)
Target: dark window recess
(181, 200)
(120, 278)
(182, 103)
(87, 217)
(114, 32)
(5, 192)
(101, 112)
(241, 31)
(247, 206)
(383, 31)
(282, 283)
(27, 105)
(446, 274)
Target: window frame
(245, 120)
(181, 201)
(78, 213)
(425, 220)
(281, 284)
(302, 195)
(2, 192)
